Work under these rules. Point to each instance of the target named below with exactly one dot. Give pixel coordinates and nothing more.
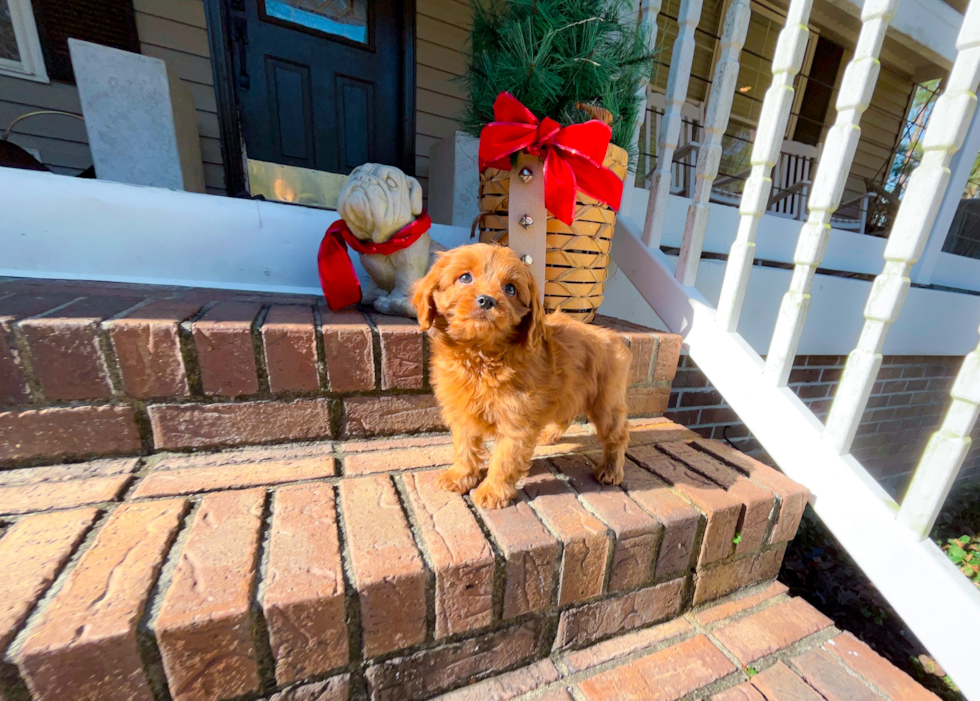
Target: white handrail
(649, 9)
(719, 110)
(681, 63)
(776, 105)
(944, 135)
(853, 99)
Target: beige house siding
(881, 126)
(176, 31)
(442, 27)
(61, 141)
(173, 30)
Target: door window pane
(8, 42)
(346, 18)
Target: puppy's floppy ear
(423, 293)
(414, 195)
(532, 328)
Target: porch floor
(332, 570)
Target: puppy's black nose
(486, 302)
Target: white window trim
(31, 64)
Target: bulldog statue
(379, 204)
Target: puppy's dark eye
(510, 290)
(465, 279)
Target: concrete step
(95, 369)
(244, 573)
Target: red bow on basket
(337, 276)
(573, 155)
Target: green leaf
(955, 553)
(737, 539)
(964, 539)
(751, 671)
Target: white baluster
(681, 63)
(853, 98)
(649, 9)
(945, 452)
(723, 86)
(944, 135)
(790, 49)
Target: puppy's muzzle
(486, 302)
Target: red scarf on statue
(337, 276)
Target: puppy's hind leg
(465, 472)
(553, 432)
(612, 429)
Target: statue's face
(378, 200)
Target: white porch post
(959, 169)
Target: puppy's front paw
(607, 474)
(459, 481)
(491, 495)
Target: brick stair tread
(102, 369)
(248, 571)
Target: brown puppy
(502, 370)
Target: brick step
(216, 575)
(760, 645)
(95, 369)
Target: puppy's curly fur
(505, 371)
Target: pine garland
(552, 54)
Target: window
(20, 49)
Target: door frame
(229, 123)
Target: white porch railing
(887, 540)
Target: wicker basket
(577, 255)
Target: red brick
(586, 624)
(304, 594)
(792, 496)
(32, 552)
(637, 534)
(147, 345)
(780, 682)
(730, 608)
(65, 348)
(881, 673)
(668, 355)
(458, 552)
(663, 676)
(192, 480)
(720, 510)
(647, 401)
(825, 673)
(289, 344)
(680, 520)
(178, 426)
(368, 416)
(402, 358)
(742, 692)
(204, 629)
(507, 686)
(387, 567)
(67, 431)
(41, 496)
(348, 350)
(585, 541)
(771, 630)
(223, 337)
(623, 645)
(86, 639)
(757, 502)
(365, 463)
(59, 473)
(530, 557)
(397, 443)
(13, 381)
(426, 673)
(333, 689)
(658, 430)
